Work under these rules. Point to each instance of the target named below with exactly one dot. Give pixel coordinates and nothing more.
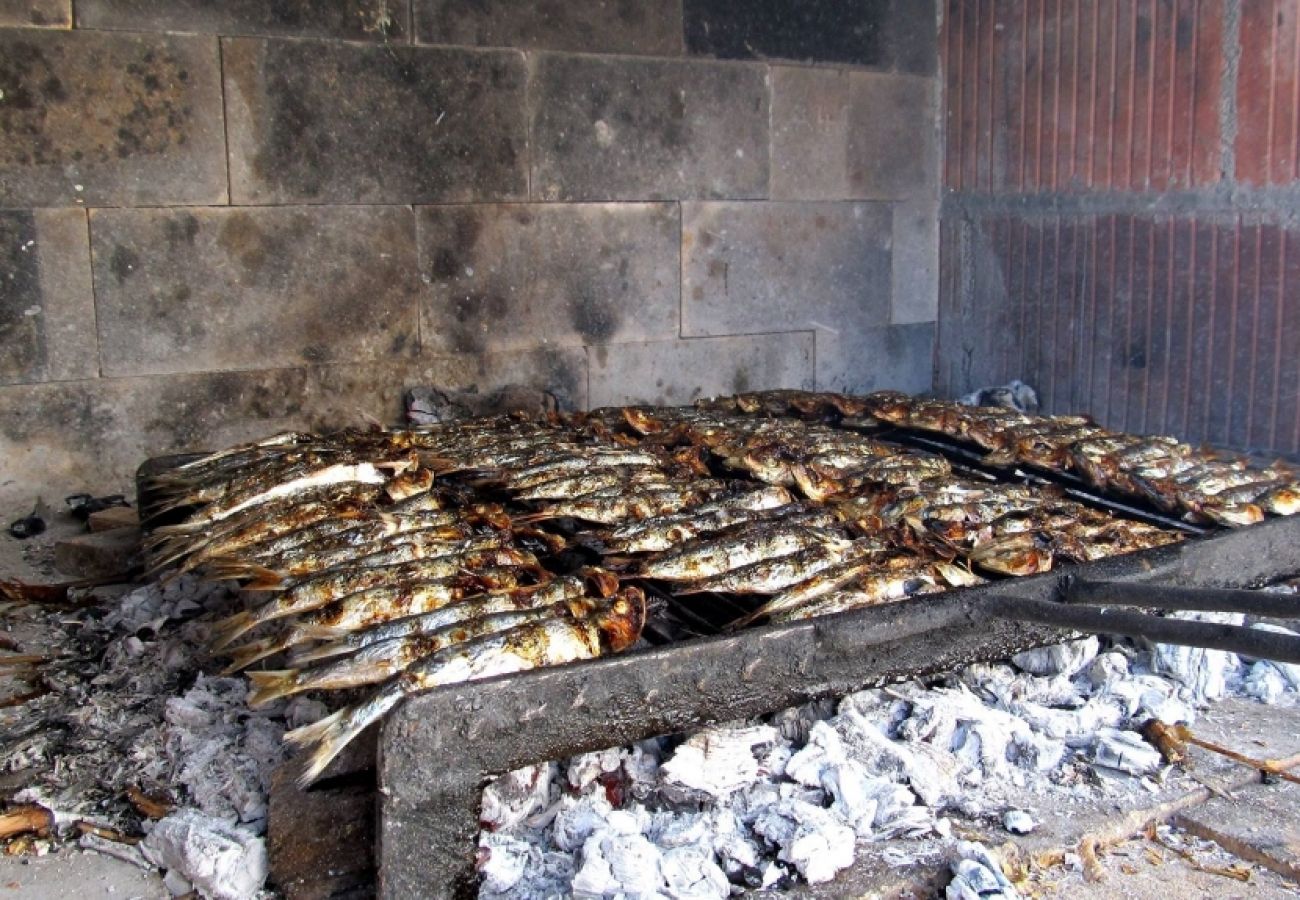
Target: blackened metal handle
(1119, 593)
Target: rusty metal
(438, 750)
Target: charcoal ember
(519, 795)
(26, 527)
(691, 872)
(718, 761)
(1127, 752)
(1290, 672)
(1014, 395)
(816, 841)
(81, 506)
(220, 861)
(433, 406)
(978, 874)
(1061, 659)
(1206, 672)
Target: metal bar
(1112, 593)
(1252, 642)
(439, 749)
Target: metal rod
(1114, 593)
(1252, 642)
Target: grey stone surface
(648, 27)
(839, 134)
(327, 122)
(893, 145)
(109, 119)
(636, 129)
(357, 20)
(512, 276)
(36, 13)
(912, 36)
(679, 371)
(47, 307)
(915, 262)
(759, 267)
(190, 290)
(861, 360)
(91, 435)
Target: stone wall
(218, 219)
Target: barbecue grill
(438, 750)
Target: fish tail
(245, 655)
(272, 685)
(231, 627)
(309, 631)
(321, 651)
(334, 732)
(260, 577)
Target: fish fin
(316, 731)
(245, 655)
(260, 577)
(747, 619)
(272, 685)
(334, 732)
(319, 652)
(310, 632)
(231, 627)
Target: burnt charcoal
(28, 526)
(82, 505)
(432, 406)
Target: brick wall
(223, 218)
(1120, 211)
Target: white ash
(130, 707)
(798, 796)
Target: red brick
(1254, 82)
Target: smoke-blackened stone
(109, 119)
(357, 20)
(36, 13)
(332, 122)
(679, 371)
(620, 129)
(893, 146)
(646, 27)
(512, 276)
(760, 267)
(191, 290)
(862, 360)
(47, 309)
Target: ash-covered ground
(796, 797)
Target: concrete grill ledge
(437, 751)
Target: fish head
(622, 621)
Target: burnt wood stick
(1119, 593)
(1251, 642)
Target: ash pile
(889, 774)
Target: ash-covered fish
(615, 626)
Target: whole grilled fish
(749, 544)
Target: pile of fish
(400, 561)
(1199, 484)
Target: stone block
(893, 139)
(354, 20)
(70, 436)
(844, 135)
(113, 518)
(36, 13)
(759, 267)
(915, 262)
(188, 290)
(511, 276)
(47, 307)
(861, 360)
(332, 122)
(102, 555)
(636, 129)
(109, 119)
(1260, 822)
(644, 27)
(680, 371)
(912, 36)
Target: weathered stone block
(916, 262)
(861, 360)
(69, 436)
(356, 20)
(36, 13)
(334, 122)
(759, 267)
(893, 144)
(647, 27)
(210, 289)
(679, 371)
(912, 36)
(620, 129)
(511, 276)
(839, 134)
(109, 119)
(47, 307)
(103, 555)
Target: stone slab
(893, 151)
(101, 555)
(47, 306)
(354, 20)
(915, 294)
(36, 13)
(643, 27)
(760, 267)
(513, 276)
(99, 119)
(883, 34)
(1260, 823)
(189, 290)
(862, 360)
(638, 129)
(680, 371)
(810, 133)
(113, 518)
(324, 122)
(61, 438)
(320, 842)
